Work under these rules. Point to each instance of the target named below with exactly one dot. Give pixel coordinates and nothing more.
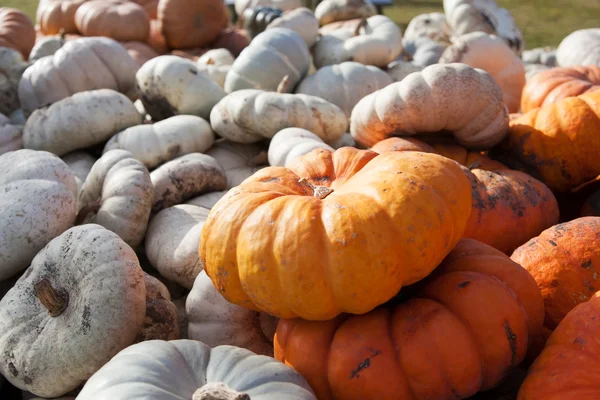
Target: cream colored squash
(451, 99)
(215, 321)
(271, 56)
(171, 85)
(239, 160)
(249, 116)
(154, 144)
(12, 67)
(82, 298)
(207, 200)
(540, 55)
(344, 84)
(184, 178)
(329, 11)
(38, 201)
(432, 26)
(82, 120)
(216, 57)
(218, 73)
(490, 53)
(422, 51)
(45, 47)
(81, 164)
(581, 47)
(398, 70)
(284, 5)
(302, 21)
(162, 318)
(11, 136)
(80, 65)
(290, 143)
(378, 41)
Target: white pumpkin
(218, 73)
(490, 53)
(300, 20)
(82, 298)
(329, 11)
(249, 116)
(239, 160)
(345, 141)
(184, 178)
(271, 56)
(215, 321)
(540, 55)
(398, 70)
(12, 67)
(216, 57)
(154, 144)
(171, 85)
(581, 47)
(45, 47)
(80, 65)
(117, 194)
(466, 16)
(432, 26)
(207, 200)
(290, 143)
(82, 120)
(378, 41)
(172, 242)
(285, 5)
(423, 51)
(344, 84)
(451, 99)
(11, 136)
(81, 164)
(38, 201)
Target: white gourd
(329, 11)
(216, 57)
(239, 160)
(300, 20)
(290, 143)
(46, 47)
(432, 26)
(423, 51)
(581, 47)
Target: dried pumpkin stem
(210, 61)
(361, 25)
(218, 391)
(284, 84)
(585, 184)
(319, 192)
(55, 300)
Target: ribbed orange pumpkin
(150, 6)
(557, 144)
(16, 31)
(556, 84)
(121, 20)
(54, 16)
(567, 367)
(337, 232)
(192, 23)
(591, 207)
(468, 325)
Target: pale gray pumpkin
(82, 120)
(154, 144)
(249, 116)
(300, 20)
(81, 164)
(215, 321)
(450, 99)
(239, 160)
(117, 194)
(432, 26)
(581, 47)
(82, 298)
(377, 41)
(398, 70)
(184, 178)
(46, 46)
(216, 57)
(12, 67)
(271, 56)
(207, 200)
(284, 5)
(11, 136)
(540, 55)
(290, 143)
(80, 65)
(422, 51)
(329, 11)
(38, 201)
(344, 84)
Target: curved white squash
(581, 47)
(300, 20)
(46, 46)
(290, 143)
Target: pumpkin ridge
(283, 58)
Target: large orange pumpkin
(462, 332)
(192, 23)
(121, 20)
(566, 369)
(16, 31)
(556, 84)
(557, 144)
(150, 6)
(337, 232)
(54, 16)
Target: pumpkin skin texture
(240, 161)
(46, 47)
(36, 186)
(16, 31)
(413, 107)
(11, 136)
(55, 15)
(556, 84)
(444, 343)
(82, 120)
(329, 11)
(187, 24)
(491, 54)
(282, 49)
(122, 20)
(300, 20)
(290, 143)
(80, 65)
(69, 268)
(189, 369)
(337, 236)
(12, 67)
(557, 143)
(581, 47)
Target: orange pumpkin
(463, 331)
(156, 39)
(557, 144)
(565, 369)
(232, 39)
(337, 232)
(150, 6)
(56, 16)
(556, 84)
(591, 207)
(192, 23)
(140, 52)
(121, 20)
(16, 31)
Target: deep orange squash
(16, 31)
(54, 16)
(337, 232)
(466, 328)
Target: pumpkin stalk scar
(319, 192)
(284, 84)
(54, 300)
(512, 341)
(366, 363)
(218, 391)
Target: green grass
(543, 22)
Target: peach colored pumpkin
(16, 31)
(121, 20)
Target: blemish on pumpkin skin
(512, 341)
(366, 363)
(464, 284)
(553, 243)
(587, 264)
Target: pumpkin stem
(62, 33)
(319, 192)
(218, 391)
(87, 213)
(55, 300)
(361, 25)
(284, 84)
(210, 61)
(583, 185)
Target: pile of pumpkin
(309, 205)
